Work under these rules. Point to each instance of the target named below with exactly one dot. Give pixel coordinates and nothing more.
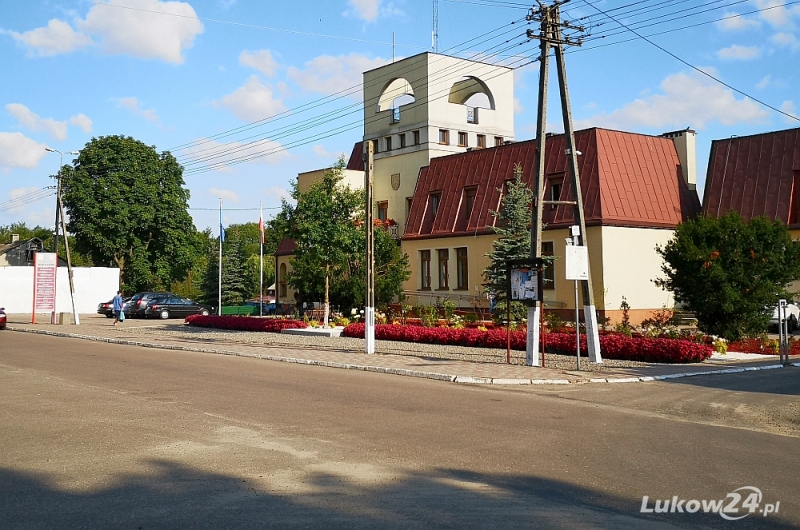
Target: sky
(247, 94)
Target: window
(375, 146)
(444, 137)
(549, 275)
(481, 141)
(555, 191)
(462, 139)
(435, 200)
(498, 140)
(402, 140)
(415, 135)
(383, 209)
(409, 201)
(282, 277)
(472, 114)
(469, 202)
(388, 143)
(425, 269)
(395, 115)
(462, 269)
(444, 255)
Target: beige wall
(631, 264)
(289, 298)
(351, 178)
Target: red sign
(45, 269)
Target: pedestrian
(117, 302)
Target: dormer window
(435, 200)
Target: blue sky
(172, 73)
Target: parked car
(266, 308)
(173, 306)
(138, 303)
(3, 318)
(792, 316)
(107, 308)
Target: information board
(577, 262)
(44, 283)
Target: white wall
(93, 285)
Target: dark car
(2, 318)
(138, 303)
(107, 308)
(174, 306)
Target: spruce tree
(512, 227)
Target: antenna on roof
(435, 32)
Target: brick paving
(147, 334)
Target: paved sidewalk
(141, 333)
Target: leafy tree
(514, 241)
(327, 225)
(729, 272)
(127, 207)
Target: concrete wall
(93, 285)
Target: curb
(402, 371)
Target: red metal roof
(755, 176)
(627, 179)
(286, 247)
(356, 161)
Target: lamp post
(60, 215)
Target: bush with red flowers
(764, 347)
(613, 346)
(274, 325)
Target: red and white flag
(261, 226)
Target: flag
(221, 230)
(261, 227)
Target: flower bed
(613, 346)
(274, 325)
(769, 347)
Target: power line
(644, 38)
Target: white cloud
(686, 100)
(82, 121)
(365, 9)
(736, 22)
(789, 108)
(144, 32)
(737, 52)
(251, 102)
(225, 195)
(17, 150)
(519, 108)
(261, 60)
(32, 121)
(135, 106)
(774, 12)
(787, 40)
(42, 217)
(765, 82)
(327, 74)
(57, 37)
(278, 193)
(321, 151)
(16, 194)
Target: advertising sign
(577, 262)
(44, 283)
(525, 280)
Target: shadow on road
(173, 496)
(781, 381)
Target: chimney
(14, 238)
(685, 145)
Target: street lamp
(60, 215)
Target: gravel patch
(425, 351)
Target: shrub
(244, 323)
(613, 346)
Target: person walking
(117, 302)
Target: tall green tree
(729, 272)
(327, 225)
(514, 241)
(46, 236)
(235, 287)
(127, 207)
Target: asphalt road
(96, 435)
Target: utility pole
(435, 32)
(369, 305)
(551, 36)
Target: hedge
(613, 346)
(274, 325)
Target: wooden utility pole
(369, 305)
(551, 36)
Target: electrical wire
(28, 198)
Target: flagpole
(261, 261)
(221, 239)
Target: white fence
(92, 286)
